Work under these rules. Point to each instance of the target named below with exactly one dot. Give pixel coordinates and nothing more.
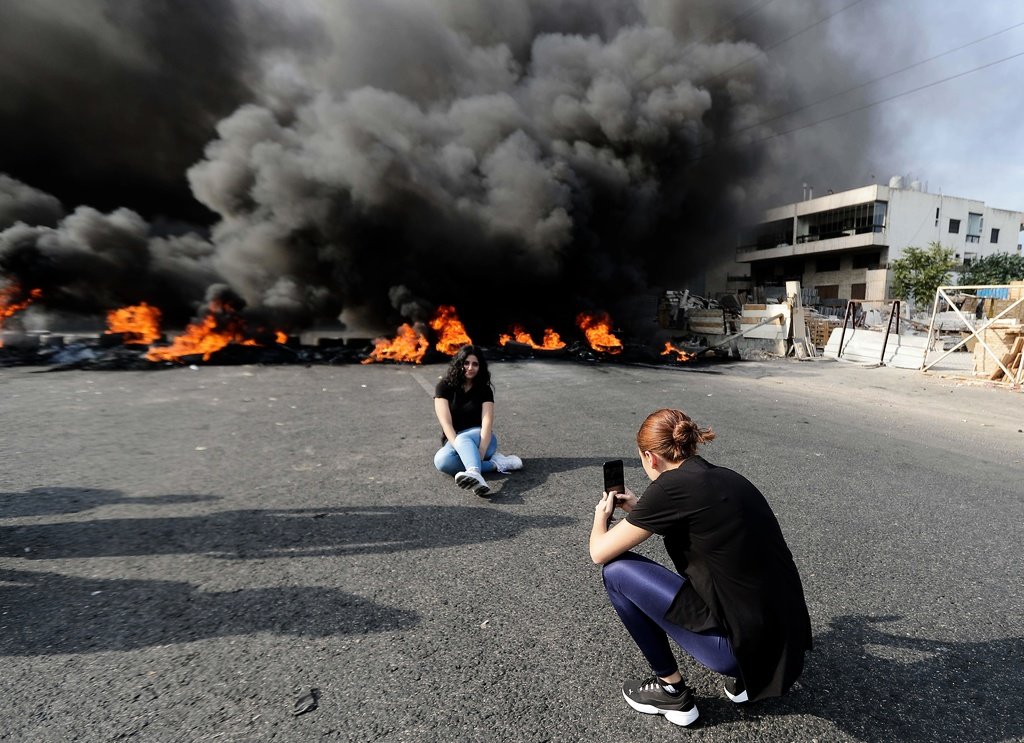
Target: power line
(783, 41)
(873, 81)
(748, 12)
(890, 98)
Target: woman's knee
(444, 461)
(472, 435)
(617, 570)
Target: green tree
(1001, 268)
(920, 271)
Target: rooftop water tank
(896, 181)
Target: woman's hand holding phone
(606, 506)
(626, 500)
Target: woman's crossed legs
(465, 453)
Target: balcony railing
(840, 233)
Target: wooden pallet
(709, 322)
(1011, 360)
(819, 331)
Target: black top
(722, 535)
(467, 407)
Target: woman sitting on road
(736, 604)
(464, 405)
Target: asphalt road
(186, 553)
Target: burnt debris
(111, 352)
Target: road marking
(427, 386)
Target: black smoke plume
(520, 160)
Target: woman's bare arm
(444, 417)
(607, 544)
(486, 426)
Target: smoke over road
(380, 158)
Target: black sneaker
(736, 691)
(649, 696)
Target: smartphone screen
(614, 479)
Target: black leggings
(641, 591)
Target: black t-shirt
(467, 407)
(722, 535)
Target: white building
(841, 244)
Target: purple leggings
(641, 591)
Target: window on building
(827, 291)
(878, 222)
(974, 226)
(842, 222)
(995, 235)
(954, 226)
(826, 263)
(857, 291)
(970, 258)
(767, 235)
(867, 260)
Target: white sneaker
(506, 463)
(474, 481)
(736, 691)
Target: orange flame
(206, 336)
(138, 323)
(409, 345)
(681, 355)
(451, 332)
(552, 341)
(281, 337)
(597, 328)
(9, 304)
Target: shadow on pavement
(48, 613)
(251, 534)
(550, 465)
(54, 501)
(537, 471)
(879, 687)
